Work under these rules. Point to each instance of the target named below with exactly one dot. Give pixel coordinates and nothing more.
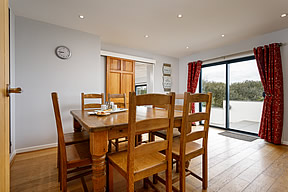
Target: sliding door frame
(227, 88)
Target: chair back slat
(153, 99)
(195, 117)
(93, 96)
(60, 133)
(149, 125)
(194, 154)
(118, 99)
(179, 107)
(198, 98)
(134, 128)
(92, 105)
(151, 147)
(195, 136)
(90, 96)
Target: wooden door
(4, 100)
(120, 76)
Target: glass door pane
(214, 80)
(246, 96)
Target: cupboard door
(128, 66)
(128, 84)
(115, 82)
(120, 76)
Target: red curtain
(270, 68)
(194, 69)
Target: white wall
(158, 66)
(39, 72)
(278, 36)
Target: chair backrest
(91, 96)
(118, 99)
(60, 133)
(189, 118)
(177, 107)
(149, 125)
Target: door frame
(4, 100)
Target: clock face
(63, 52)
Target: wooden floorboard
(234, 165)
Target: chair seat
(190, 147)
(78, 155)
(147, 163)
(163, 133)
(76, 137)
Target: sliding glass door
(245, 97)
(214, 80)
(237, 94)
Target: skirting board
(35, 148)
(12, 156)
(284, 142)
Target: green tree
(240, 91)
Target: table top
(95, 123)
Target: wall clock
(63, 52)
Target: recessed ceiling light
(179, 16)
(81, 17)
(187, 47)
(146, 36)
(283, 15)
(223, 35)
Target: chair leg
(63, 179)
(155, 181)
(151, 137)
(117, 145)
(145, 183)
(182, 175)
(110, 175)
(130, 185)
(58, 163)
(136, 140)
(109, 146)
(168, 179)
(205, 171)
(177, 166)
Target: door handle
(13, 90)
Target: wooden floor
(234, 165)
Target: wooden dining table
(104, 128)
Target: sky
(239, 72)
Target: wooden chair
(73, 157)
(120, 101)
(91, 96)
(70, 139)
(162, 133)
(184, 147)
(144, 160)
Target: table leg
(98, 149)
(77, 126)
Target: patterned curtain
(270, 68)
(194, 69)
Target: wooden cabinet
(120, 76)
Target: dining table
(104, 128)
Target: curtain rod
(243, 53)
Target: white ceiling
(126, 22)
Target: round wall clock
(63, 52)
